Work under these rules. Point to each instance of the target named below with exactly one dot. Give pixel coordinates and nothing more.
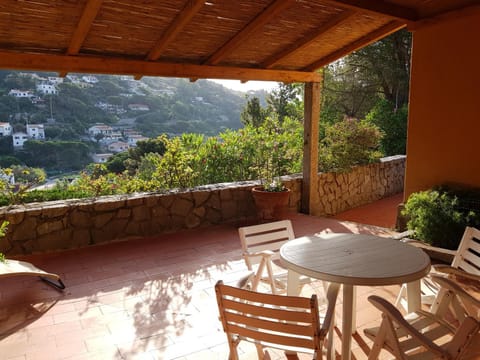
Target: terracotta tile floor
(142, 299)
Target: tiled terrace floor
(143, 299)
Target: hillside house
(118, 146)
(21, 93)
(100, 129)
(90, 79)
(55, 80)
(101, 158)
(19, 139)
(47, 89)
(5, 129)
(133, 139)
(36, 131)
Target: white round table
(355, 259)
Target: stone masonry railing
(68, 224)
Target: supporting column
(310, 144)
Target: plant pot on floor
(271, 205)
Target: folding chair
(465, 265)
(261, 251)
(288, 323)
(427, 335)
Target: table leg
(347, 320)
(414, 296)
(293, 283)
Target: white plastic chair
(465, 265)
(261, 251)
(426, 335)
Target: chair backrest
(467, 257)
(284, 322)
(265, 237)
(423, 332)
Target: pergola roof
(280, 40)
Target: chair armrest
(392, 312)
(422, 245)
(449, 270)
(448, 284)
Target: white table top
(355, 259)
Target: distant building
(55, 80)
(5, 129)
(47, 89)
(102, 129)
(21, 93)
(133, 139)
(139, 107)
(90, 79)
(19, 139)
(36, 131)
(118, 146)
(101, 158)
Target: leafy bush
(3, 230)
(393, 123)
(437, 217)
(348, 143)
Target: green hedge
(439, 216)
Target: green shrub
(348, 143)
(437, 217)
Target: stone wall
(68, 224)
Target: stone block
(50, 226)
(80, 238)
(102, 219)
(140, 213)
(27, 229)
(200, 197)
(181, 207)
(80, 218)
(59, 240)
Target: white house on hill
(47, 89)
(19, 139)
(36, 131)
(102, 129)
(5, 129)
(21, 93)
(101, 158)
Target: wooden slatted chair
(425, 335)
(465, 267)
(288, 323)
(11, 268)
(261, 251)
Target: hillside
(150, 106)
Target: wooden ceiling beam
(375, 35)
(191, 8)
(88, 16)
(83, 27)
(312, 37)
(260, 20)
(117, 66)
(378, 7)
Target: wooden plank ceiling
(278, 40)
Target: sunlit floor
(144, 299)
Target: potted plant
(271, 196)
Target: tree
(253, 114)
(355, 83)
(286, 101)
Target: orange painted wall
(443, 144)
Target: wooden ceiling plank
(312, 37)
(88, 16)
(378, 7)
(191, 8)
(117, 66)
(375, 35)
(261, 19)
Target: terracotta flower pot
(271, 205)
